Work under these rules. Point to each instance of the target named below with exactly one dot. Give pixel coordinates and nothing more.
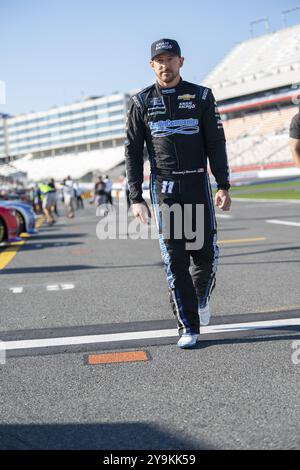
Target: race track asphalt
(239, 389)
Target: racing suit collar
(163, 90)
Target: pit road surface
(239, 389)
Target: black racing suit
(182, 128)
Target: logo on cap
(163, 45)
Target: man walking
(180, 123)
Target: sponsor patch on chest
(186, 105)
(156, 106)
(155, 102)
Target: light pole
(261, 20)
(285, 12)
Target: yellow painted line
(241, 240)
(39, 222)
(9, 253)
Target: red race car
(9, 225)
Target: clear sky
(54, 52)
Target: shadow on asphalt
(131, 266)
(115, 436)
(57, 235)
(75, 267)
(261, 262)
(47, 269)
(33, 247)
(205, 343)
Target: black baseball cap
(165, 45)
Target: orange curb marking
(110, 358)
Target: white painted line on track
(56, 287)
(139, 335)
(16, 290)
(252, 325)
(283, 222)
(50, 287)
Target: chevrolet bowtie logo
(186, 97)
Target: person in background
(31, 193)
(100, 196)
(48, 195)
(68, 196)
(78, 196)
(100, 193)
(3, 194)
(108, 189)
(295, 139)
(52, 184)
(37, 200)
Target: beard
(168, 76)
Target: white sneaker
(204, 315)
(187, 341)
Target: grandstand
(79, 165)
(79, 138)
(257, 88)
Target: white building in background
(88, 135)
(79, 127)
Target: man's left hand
(223, 200)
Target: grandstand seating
(258, 64)
(76, 165)
(260, 138)
(260, 123)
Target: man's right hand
(141, 211)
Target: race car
(9, 225)
(24, 213)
